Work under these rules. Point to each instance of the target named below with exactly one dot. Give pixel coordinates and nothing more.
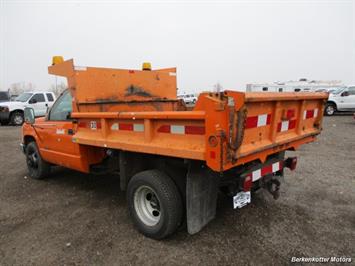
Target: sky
(228, 42)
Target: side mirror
(345, 93)
(29, 114)
(32, 101)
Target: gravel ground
(78, 219)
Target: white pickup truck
(341, 100)
(12, 111)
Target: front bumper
(4, 116)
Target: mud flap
(201, 196)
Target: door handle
(46, 104)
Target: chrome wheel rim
(18, 119)
(147, 205)
(330, 110)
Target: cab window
(62, 108)
(38, 98)
(351, 91)
(50, 97)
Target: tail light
(248, 182)
(291, 163)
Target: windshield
(23, 97)
(337, 91)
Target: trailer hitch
(273, 186)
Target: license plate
(241, 199)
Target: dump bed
(224, 129)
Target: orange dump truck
(172, 162)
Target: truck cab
(13, 111)
(53, 136)
(341, 100)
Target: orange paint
(138, 111)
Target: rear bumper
(4, 116)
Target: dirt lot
(72, 218)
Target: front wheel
(37, 167)
(16, 118)
(154, 203)
(329, 109)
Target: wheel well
(131, 163)
(331, 102)
(16, 111)
(28, 139)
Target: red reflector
(293, 163)
(213, 155)
(164, 129)
(122, 126)
(292, 124)
(82, 124)
(248, 182)
(251, 122)
(309, 114)
(266, 170)
(213, 141)
(194, 130)
(290, 114)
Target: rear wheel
(16, 118)
(154, 203)
(37, 167)
(330, 109)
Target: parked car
(4, 96)
(341, 100)
(188, 98)
(12, 111)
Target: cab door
(39, 104)
(56, 135)
(349, 100)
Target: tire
(37, 167)
(4, 123)
(154, 204)
(17, 118)
(330, 109)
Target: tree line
(20, 87)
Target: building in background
(300, 85)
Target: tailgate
(261, 124)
